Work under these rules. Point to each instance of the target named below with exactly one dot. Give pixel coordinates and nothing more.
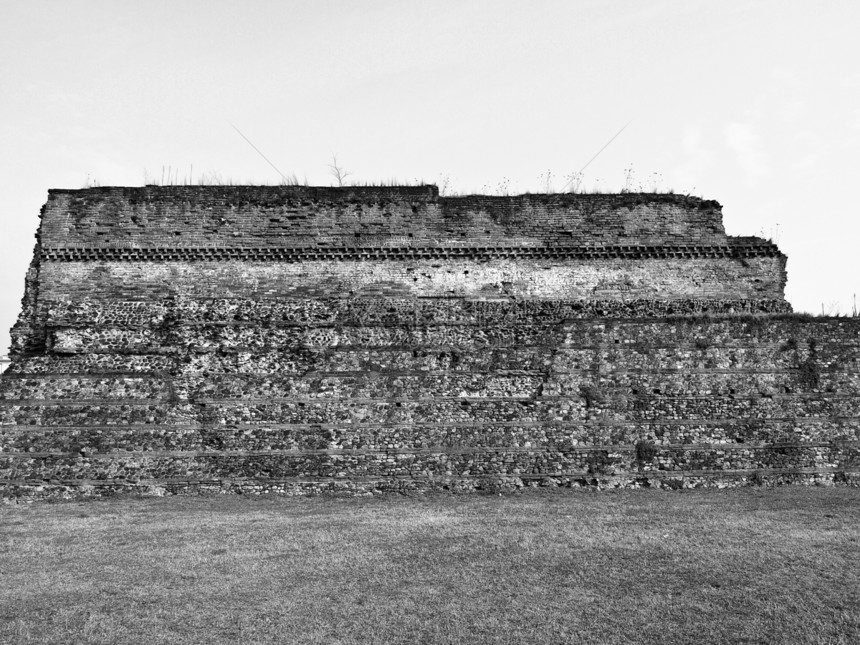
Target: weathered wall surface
(294, 357)
(133, 244)
(384, 397)
(240, 217)
(756, 278)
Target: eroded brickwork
(298, 340)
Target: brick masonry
(303, 340)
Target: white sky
(753, 103)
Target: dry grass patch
(743, 566)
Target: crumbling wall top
(297, 216)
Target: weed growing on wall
(91, 182)
(574, 182)
(656, 182)
(645, 451)
(445, 189)
(808, 370)
(545, 181)
(809, 374)
(592, 395)
(627, 186)
(702, 344)
(174, 176)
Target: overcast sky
(753, 103)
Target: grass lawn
(755, 565)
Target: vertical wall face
(297, 340)
(140, 244)
(757, 279)
(246, 217)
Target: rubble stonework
(353, 340)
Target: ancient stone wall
(295, 216)
(649, 349)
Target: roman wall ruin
(354, 340)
